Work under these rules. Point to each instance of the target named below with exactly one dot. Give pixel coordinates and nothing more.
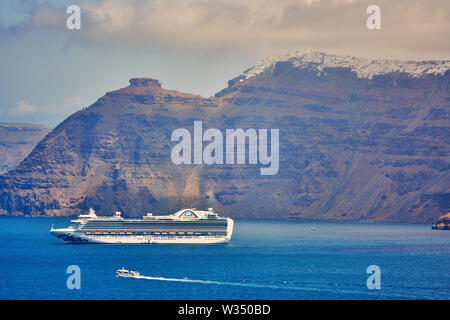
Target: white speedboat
(124, 273)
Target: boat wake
(240, 284)
(255, 285)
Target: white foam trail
(216, 282)
(254, 285)
(225, 283)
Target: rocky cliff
(16, 142)
(360, 139)
(443, 223)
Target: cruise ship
(190, 226)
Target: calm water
(264, 260)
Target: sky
(47, 71)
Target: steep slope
(362, 145)
(16, 142)
(354, 144)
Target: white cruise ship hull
(71, 235)
(76, 237)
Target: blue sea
(266, 259)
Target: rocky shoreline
(443, 223)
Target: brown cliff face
(16, 142)
(443, 223)
(445, 218)
(350, 148)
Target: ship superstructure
(184, 226)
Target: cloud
(47, 17)
(410, 28)
(25, 108)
